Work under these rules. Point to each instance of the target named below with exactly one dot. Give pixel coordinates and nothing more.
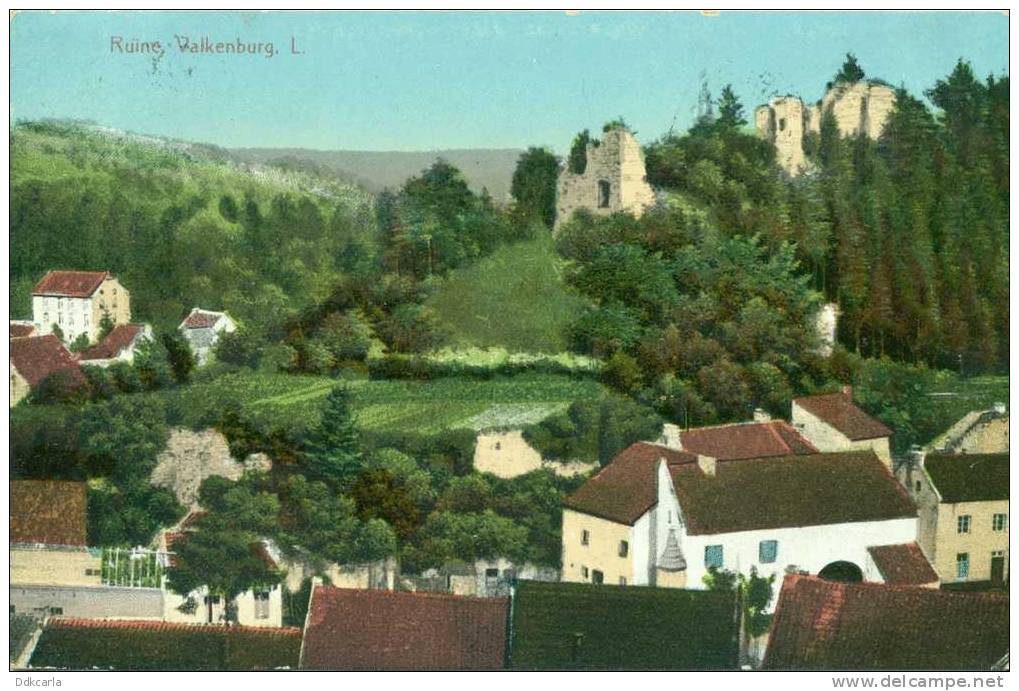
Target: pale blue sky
(440, 80)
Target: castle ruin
(858, 108)
(613, 180)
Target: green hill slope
(514, 298)
(178, 223)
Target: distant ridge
(377, 170)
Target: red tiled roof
(385, 630)
(20, 330)
(200, 319)
(119, 338)
(75, 284)
(626, 488)
(48, 512)
(789, 491)
(79, 623)
(37, 357)
(839, 411)
(753, 440)
(903, 564)
(824, 625)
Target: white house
(77, 301)
(202, 328)
(832, 422)
(120, 345)
(660, 516)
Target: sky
(410, 81)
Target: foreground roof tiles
(788, 492)
(746, 440)
(580, 626)
(625, 489)
(839, 411)
(903, 564)
(969, 477)
(824, 625)
(48, 512)
(88, 644)
(21, 329)
(119, 338)
(385, 630)
(37, 357)
(75, 284)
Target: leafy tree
(80, 343)
(379, 495)
(850, 72)
(179, 356)
(242, 347)
(332, 448)
(122, 438)
(60, 386)
(316, 525)
(534, 185)
(730, 110)
(577, 161)
(447, 536)
(222, 553)
(377, 540)
(57, 331)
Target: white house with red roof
(662, 516)
(202, 329)
(833, 422)
(120, 345)
(77, 301)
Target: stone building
(613, 180)
(77, 302)
(858, 107)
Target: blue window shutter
(713, 556)
(768, 551)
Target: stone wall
(615, 165)
(190, 457)
(859, 107)
(99, 602)
(507, 454)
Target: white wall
(245, 609)
(72, 315)
(808, 548)
(640, 547)
(827, 439)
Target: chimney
(671, 437)
(761, 415)
(848, 391)
(707, 464)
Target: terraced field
(397, 405)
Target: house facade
(962, 501)
(77, 301)
(666, 517)
(832, 422)
(202, 329)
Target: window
(624, 548)
(491, 573)
(999, 522)
(622, 580)
(262, 605)
(92, 572)
(585, 537)
(603, 193)
(767, 551)
(583, 571)
(56, 610)
(498, 445)
(713, 556)
(597, 577)
(781, 124)
(918, 486)
(963, 524)
(214, 599)
(962, 566)
(670, 517)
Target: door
(997, 569)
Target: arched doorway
(842, 571)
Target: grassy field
(514, 298)
(395, 405)
(951, 398)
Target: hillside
(514, 298)
(180, 224)
(377, 170)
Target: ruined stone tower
(614, 179)
(857, 107)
